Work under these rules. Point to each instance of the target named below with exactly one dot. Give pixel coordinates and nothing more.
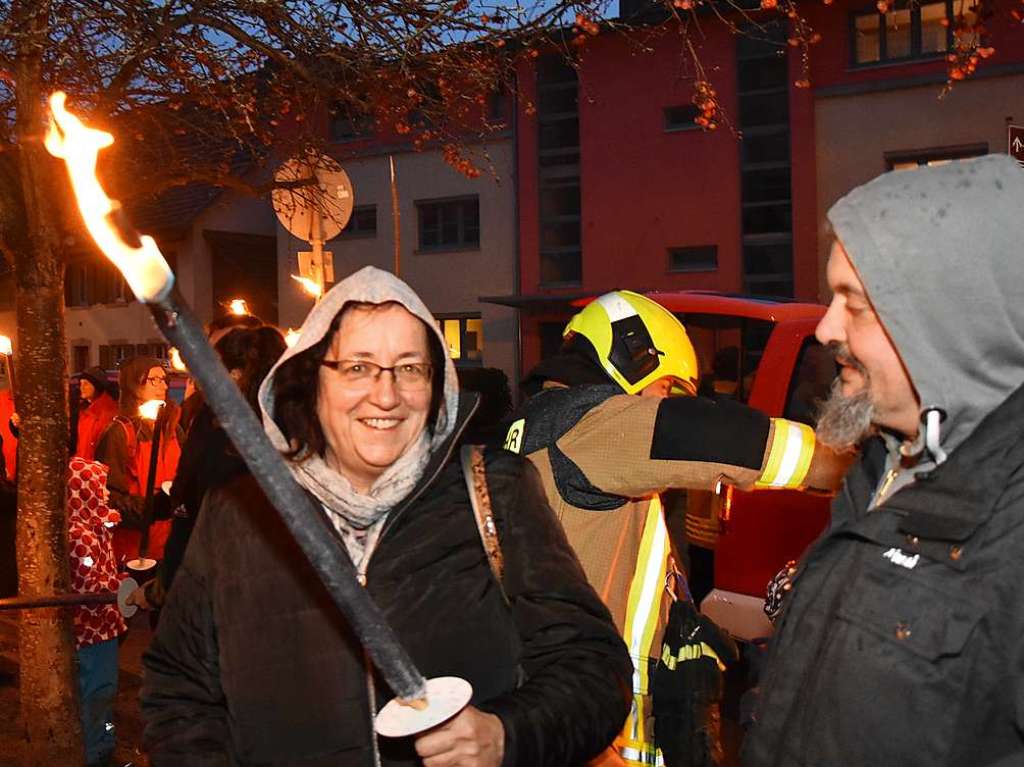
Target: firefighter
(605, 455)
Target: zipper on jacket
(883, 489)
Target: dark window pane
(559, 201)
(765, 185)
(783, 288)
(449, 223)
(555, 157)
(561, 268)
(764, 73)
(561, 99)
(560, 235)
(700, 258)
(555, 69)
(776, 258)
(766, 219)
(363, 222)
(681, 117)
(773, 147)
(767, 109)
(560, 134)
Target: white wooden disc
(446, 696)
(128, 585)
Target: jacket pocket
(892, 676)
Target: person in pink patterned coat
(96, 627)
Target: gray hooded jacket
(941, 254)
(900, 643)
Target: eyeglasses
(157, 380)
(409, 376)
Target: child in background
(97, 627)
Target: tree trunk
(49, 693)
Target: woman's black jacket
(252, 664)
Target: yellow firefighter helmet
(637, 341)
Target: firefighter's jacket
(604, 456)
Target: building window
(112, 355)
(346, 125)
(79, 357)
(558, 135)
(681, 117)
(464, 336)
(908, 30)
(699, 258)
(452, 224)
(154, 349)
(937, 156)
(88, 282)
(363, 222)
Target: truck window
(729, 350)
(814, 372)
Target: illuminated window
(464, 336)
(908, 30)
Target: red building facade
(618, 188)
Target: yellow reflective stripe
(688, 652)
(642, 757)
(514, 438)
(643, 609)
(790, 455)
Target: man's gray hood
(940, 251)
(351, 510)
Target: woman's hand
(469, 739)
(138, 598)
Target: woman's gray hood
(374, 286)
(940, 251)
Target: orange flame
(239, 307)
(5, 346)
(291, 337)
(150, 409)
(144, 267)
(309, 286)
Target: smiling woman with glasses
(366, 409)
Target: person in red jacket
(126, 445)
(97, 409)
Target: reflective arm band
(789, 456)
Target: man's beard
(844, 422)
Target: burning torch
(152, 281)
(7, 350)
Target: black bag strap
(475, 474)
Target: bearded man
(902, 641)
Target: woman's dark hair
(232, 320)
(253, 351)
(296, 382)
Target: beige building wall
(448, 282)
(853, 133)
(131, 322)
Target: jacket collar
(951, 501)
